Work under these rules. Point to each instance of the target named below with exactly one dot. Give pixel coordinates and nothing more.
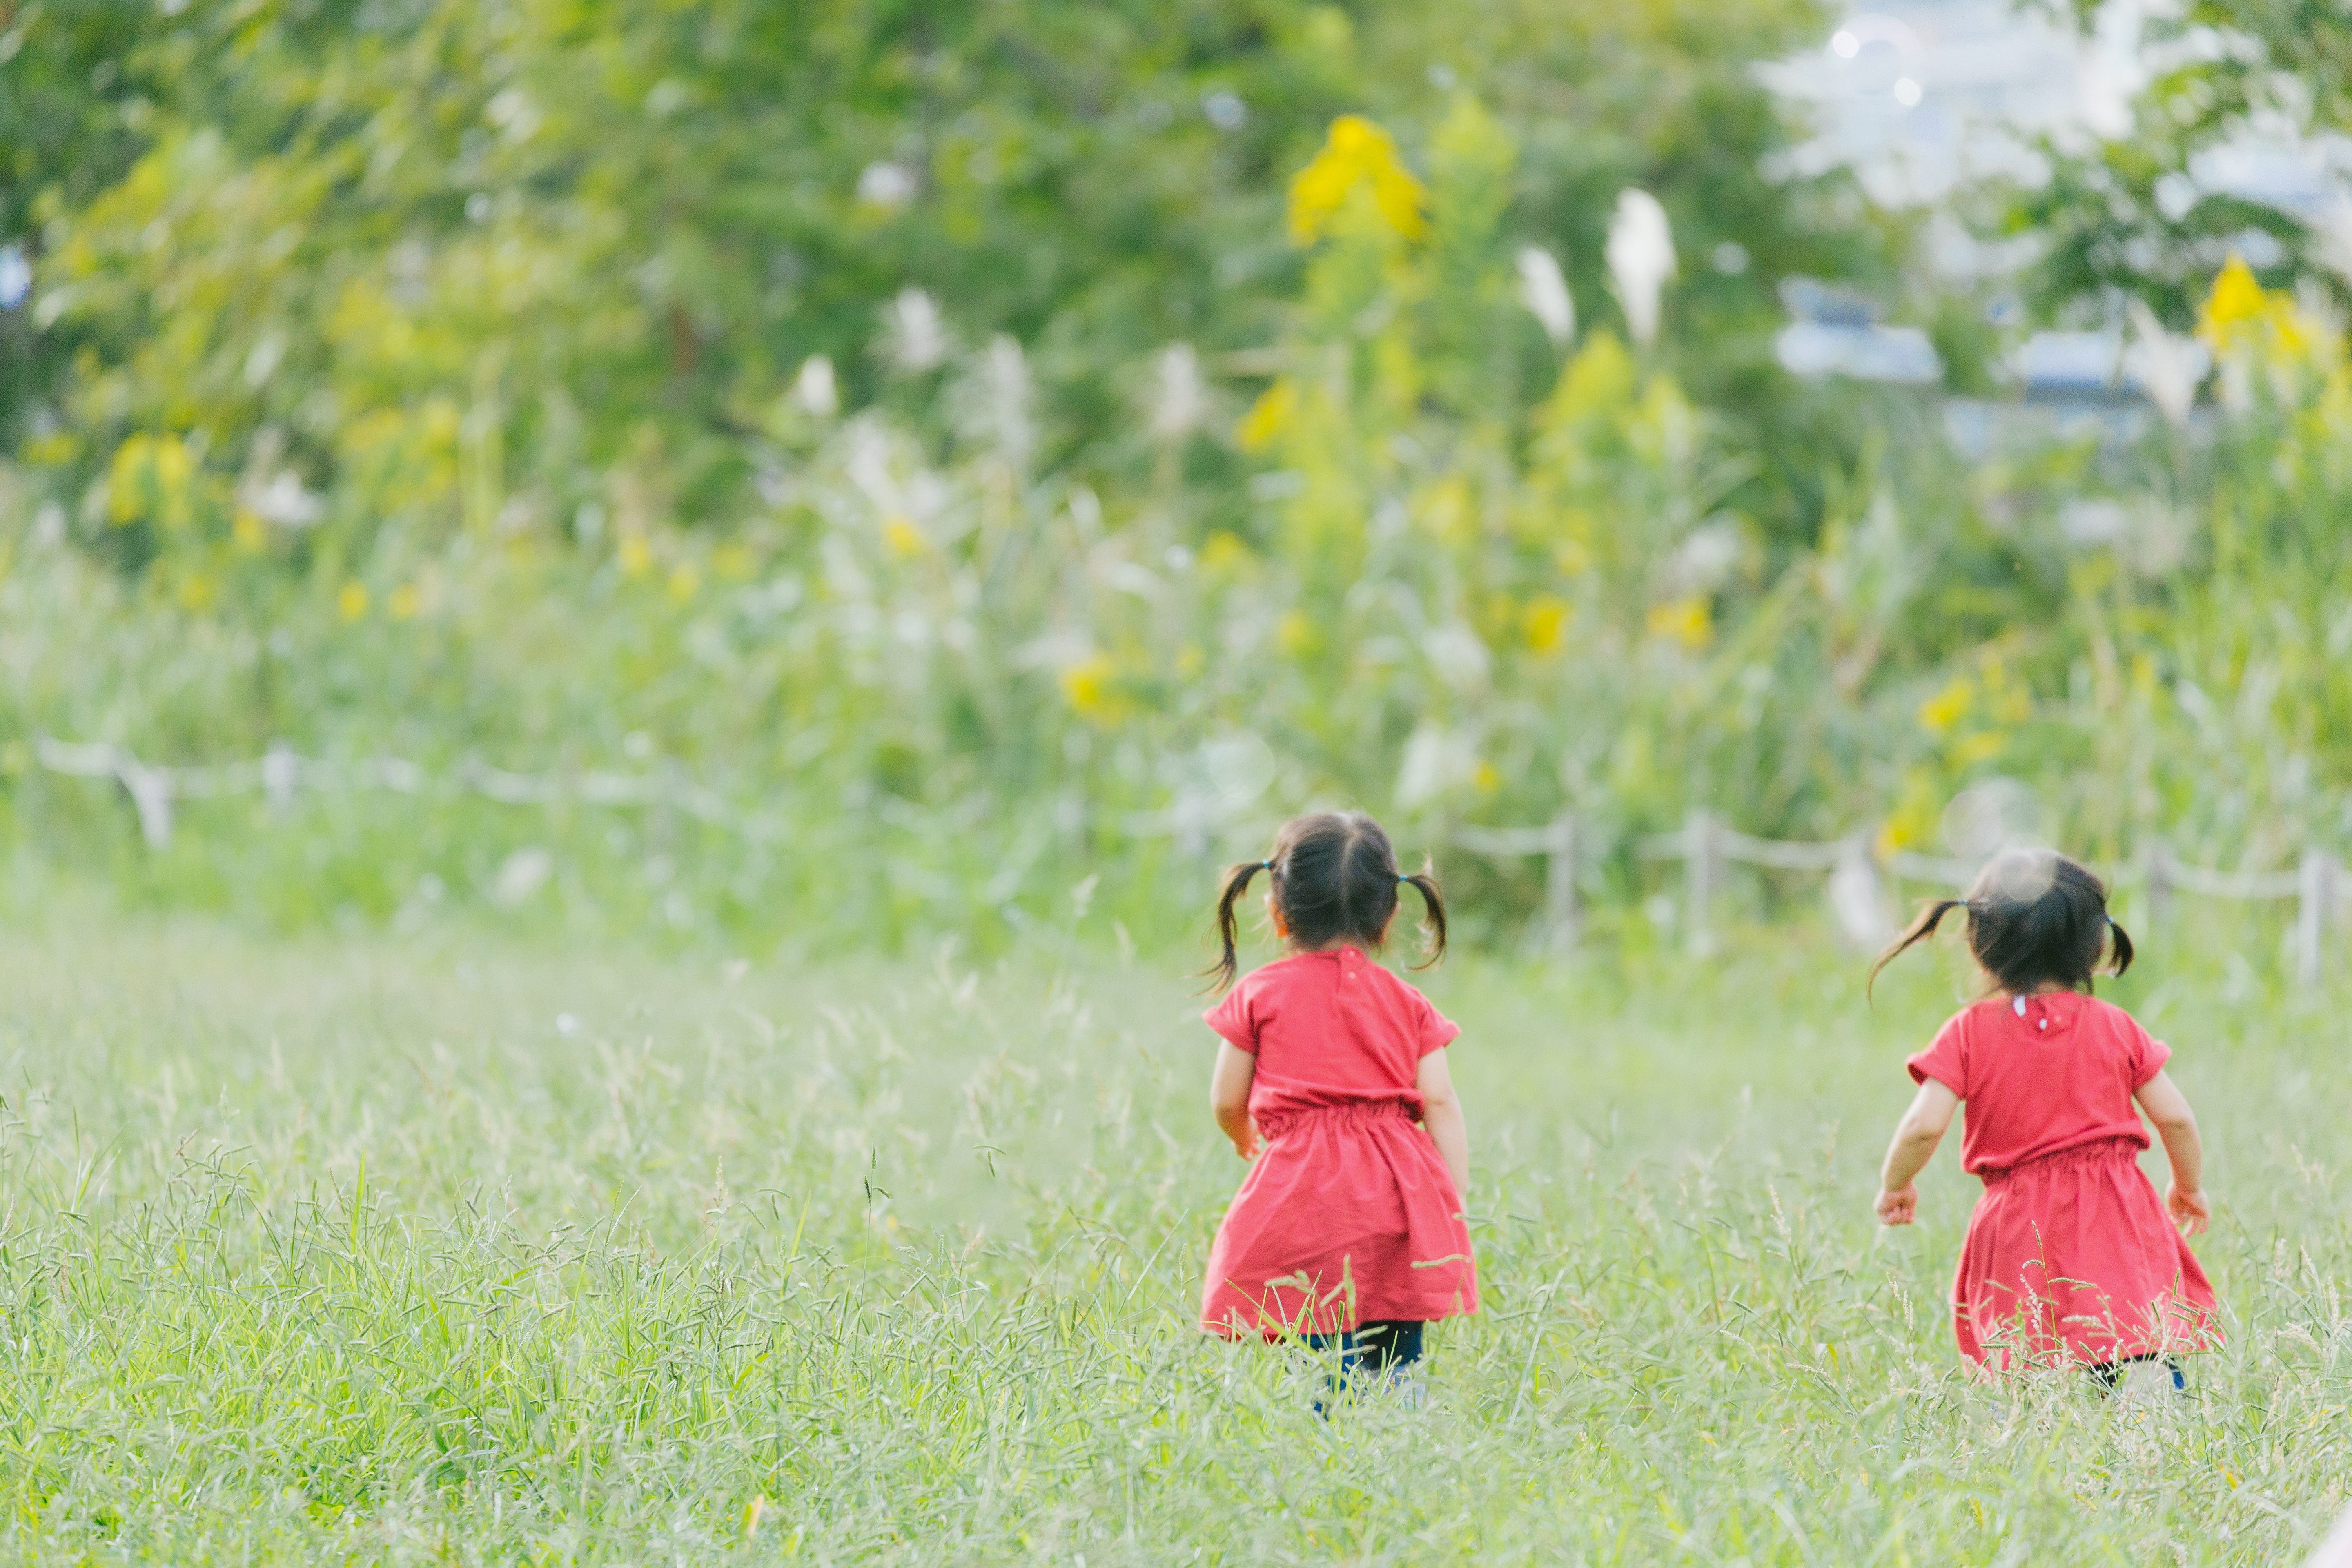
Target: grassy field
(424, 1249)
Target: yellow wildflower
(904, 540)
(1688, 621)
(352, 602)
(1356, 154)
(405, 601)
(1091, 688)
(1224, 553)
(1486, 777)
(54, 450)
(1917, 813)
(684, 580)
(197, 592)
(248, 533)
(1269, 417)
(2235, 300)
(126, 480)
(1545, 619)
(1295, 633)
(1978, 748)
(734, 562)
(635, 555)
(1944, 709)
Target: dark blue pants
(1372, 1347)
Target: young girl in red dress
(2070, 1257)
(1331, 1075)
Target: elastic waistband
(1355, 1112)
(2095, 1154)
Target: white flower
(814, 388)
(995, 400)
(1544, 292)
(914, 334)
(2167, 368)
(1641, 256)
(886, 184)
(1180, 400)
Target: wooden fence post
(1561, 916)
(1699, 879)
(280, 772)
(2315, 891)
(150, 790)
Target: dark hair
(1335, 877)
(2034, 916)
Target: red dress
(1348, 1214)
(2070, 1254)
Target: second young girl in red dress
(2070, 1257)
(1331, 1075)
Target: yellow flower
(197, 592)
(904, 540)
(1978, 748)
(635, 555)
(1356, 154)
(54, 450)
(126, 480)
(1917, 811)
(1486, 777)
(404, 603)
(1295, 633)
(248, 533)
(1688, 621)
(1224, 553)
(352, 602)
(1091, 688)
(2235, 300)
(735, 561)
(683, 580)
(1545, 619)
(1944, 709)
(1269, 417)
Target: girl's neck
(2045, 988)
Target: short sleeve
(1435, 1030)
(1236, 1019)
(1947, 1061)
(2148, 1055)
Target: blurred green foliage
(1016, 455)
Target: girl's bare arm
(1915, 1137)
(2177, 1125)
(1229, 1092)
(1441, 1113)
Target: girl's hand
(1250, 1141)
(2190, 1211)
(1899, 1206)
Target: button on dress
(1348, 1214)
(2069, 1255)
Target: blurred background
(839, 474)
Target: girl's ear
(1274, 913)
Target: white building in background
(1922, 97)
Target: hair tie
(1402, 878)
(1265, 865)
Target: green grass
(340, 1249)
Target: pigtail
(1930, 916)
(1237, 881)
(2120, 944)
(1435, 923)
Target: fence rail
(1858, 877)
